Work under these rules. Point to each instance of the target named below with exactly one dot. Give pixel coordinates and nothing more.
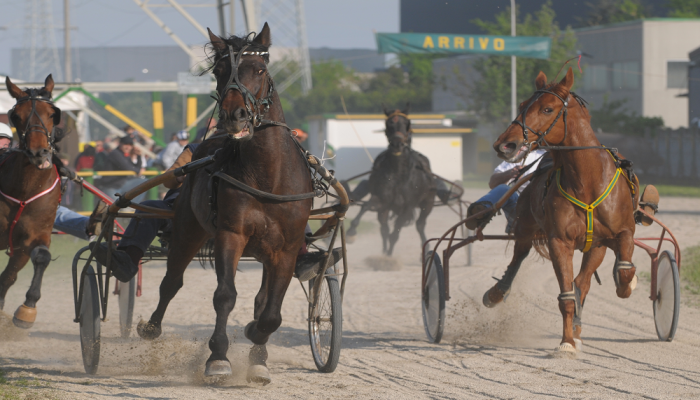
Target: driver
(505, 174)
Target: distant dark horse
(30, 192)
(257, 150)
(400, 182)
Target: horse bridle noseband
(34, 96)
(252, 104)
(407, 134)
(541, 135)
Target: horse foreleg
(26, 313)
(562, 260)
(591, 261)
(401, 221)
(9, 275)
(425, 209)
(228, 247)
(383, 218)
(624, 271)
(278, 275)
(352, 231)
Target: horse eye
(548, 110)
(261, 72)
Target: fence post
(88, 199)
(693, 154)
(667, 140)
(681, 161)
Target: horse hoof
(350, 239)
(217, 367)
(564, 350)
(493, 297)
(579, 344)
(147, 330)
(258, 374)
(24, 317)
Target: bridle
(252, 103)
(406, 134)
(34, 97)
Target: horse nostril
(508, 147)
(239, 114)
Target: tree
(684, 8)
(490, 94)
(604, 12)
(612, 118)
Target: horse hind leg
(501, 289)
(277, 278)
(9, 275)
(26, 313)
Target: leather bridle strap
(541, 135)
(34, 97)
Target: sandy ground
(485, 353)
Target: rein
(34, 96)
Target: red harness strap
(23, 204)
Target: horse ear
(48, 84)
(263, 38)
(15, 91)
(408, 108)
(386, 112)
(216, 41)
(568, 80)
(541, 80)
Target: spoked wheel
(127, 295)
(326, 325)
(433, 300)
(668, 297)
(90, 323)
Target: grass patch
(690, 273)
(20, 388)
(678, 191)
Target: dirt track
(486, 353)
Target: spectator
(205, 132)
(174, 148)
(5, 136)
(136, 135)
(86, 159)
(120, 159)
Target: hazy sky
(330, 23)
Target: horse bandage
(589, 207)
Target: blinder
(541, 135)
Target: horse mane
(237, 43)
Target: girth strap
(588, 207)
(265, 195)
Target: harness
(34, 96)
(23, 204)
(398, 113)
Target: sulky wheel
(127, 295)
(668, 297)
(326, 325)
(433, 300)
(90, 323)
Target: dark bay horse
(258, 150)
(400, 182)
(30, 192)
(549, 217)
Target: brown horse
(258, 150)
(556, 119)
(30, 192)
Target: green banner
(437, 43)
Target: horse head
(398, 130)
(36, 119)
(243, 83)
(542, 119)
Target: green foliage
(678, 191)
(604, 12)
(362, 93)
(684, 8)
(490, 95)
(611, 117)
(690, 273)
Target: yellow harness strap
(589, 208)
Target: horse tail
(539, 242)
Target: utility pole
(222, 19)
(66, 39)
(513, 74)
(232, 12)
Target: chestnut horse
(400, 182)
(551, 209)
(30, 192)
(258, 150)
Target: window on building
(626, 75)
(595, 78)
(677, 74)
